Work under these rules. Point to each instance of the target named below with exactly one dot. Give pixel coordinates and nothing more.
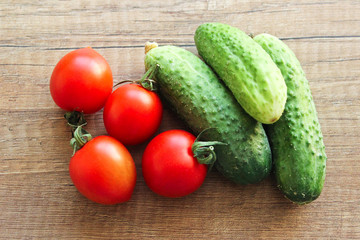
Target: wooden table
(37, 197)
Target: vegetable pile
(248, 101)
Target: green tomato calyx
(204, 151)
(80, 136)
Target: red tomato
(81, 81)
(169, 167)
(103, 171)
(132, 114)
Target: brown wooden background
(37, 197)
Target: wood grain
(38, 199)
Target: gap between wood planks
(182, 45)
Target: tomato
(132, 114)
(103, 171)
(169, 167)
(81, 81)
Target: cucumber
(246, 69)
(203, 102)
(296, 139)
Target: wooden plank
(38, 199)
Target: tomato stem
(80, 136)
(146, 81)
(125, 81)
(204, 151)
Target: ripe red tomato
(132, 114)
(103, 171)
(81, 81)
(169, 167)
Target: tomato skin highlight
(132, 114)
(168, 165)
(81, 81)
(103, 171)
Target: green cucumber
(246, 69)
(296, 139)
(203, 102)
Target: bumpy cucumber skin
(246, 69)
(195, 93)
(296, 139)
